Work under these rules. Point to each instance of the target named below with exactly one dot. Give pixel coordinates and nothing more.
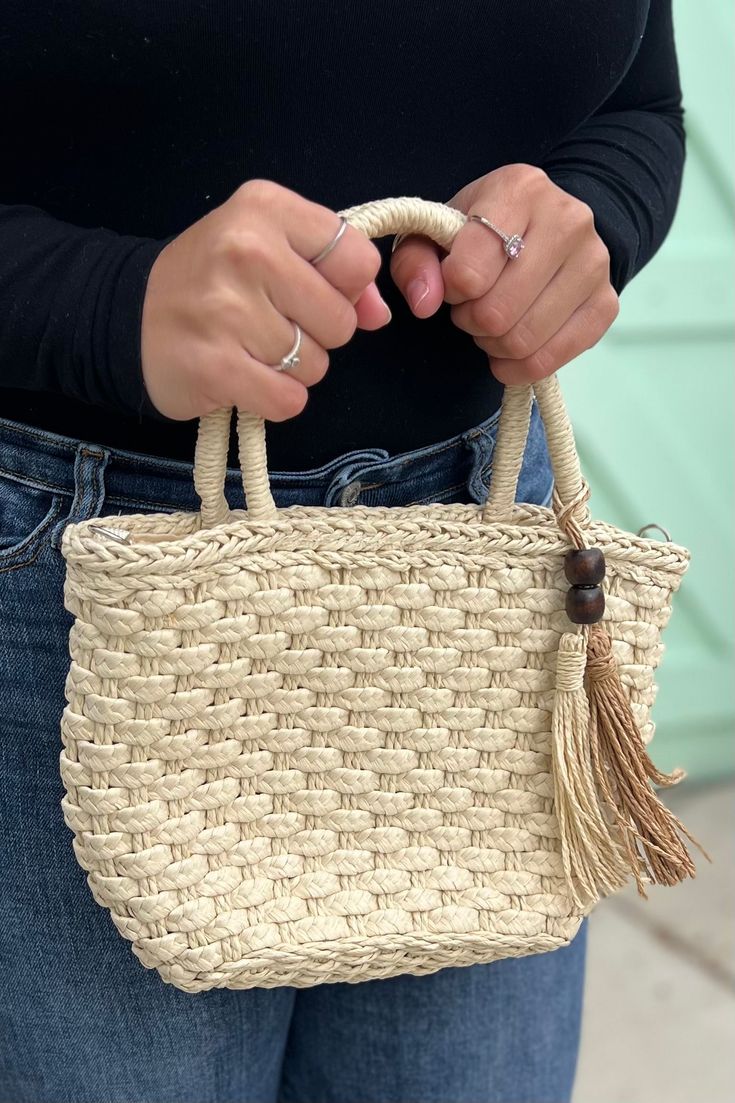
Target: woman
(168, 238)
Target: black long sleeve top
(121, 124)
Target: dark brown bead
(585, 604)
(584, 566)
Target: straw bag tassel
(611, 821)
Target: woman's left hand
(530, 315)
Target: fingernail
(417, 291)
(388, 313)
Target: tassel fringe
(593, 859)
(649, 832)
(611, 821)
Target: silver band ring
(328, 248)
(396, 242)
(292, 358)
(512, 243)
(399, 238)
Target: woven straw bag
(309, 744)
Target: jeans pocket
(28, 513)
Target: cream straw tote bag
(310, 744)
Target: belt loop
(481, 443)
(90, 462)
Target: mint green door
(652, 407)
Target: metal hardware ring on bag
(642, 531)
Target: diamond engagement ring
(292, 358)
(512, 244)
(328, 248)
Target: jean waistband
(370, 476)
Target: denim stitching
(39, 434)
(231, 474)
(434, 497)
(486, 434)
(26, 430)
(148, 504)
(79, 491)
(7, 563)
(38, 483)
(384, 467)
(436, 452)
(24, 563)
(98, 481)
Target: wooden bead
(584, 566)
(585, 604)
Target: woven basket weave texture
(303, 759)
(312, 744)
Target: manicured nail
(417, 291)
(388, 314)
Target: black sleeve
(71, 301)
(626, 160)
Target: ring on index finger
(328, 248)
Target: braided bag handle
(441, 223)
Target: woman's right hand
(221, 296)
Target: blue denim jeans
(81, 1021)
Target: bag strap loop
(441, 223)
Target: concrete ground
(659, 1022)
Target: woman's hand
(530, 315)
(221, 297)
